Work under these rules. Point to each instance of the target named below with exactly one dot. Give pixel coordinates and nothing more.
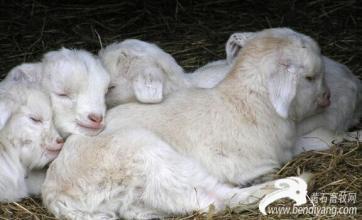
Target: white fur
(133, 174)
(177, 157)
(320, 131)
(210, 75)
(28, 139)
(77, 84)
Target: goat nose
(95, 118)
(59, 141)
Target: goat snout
(97, 119)
(60, 141)
(325, 101)
(57, 144)
(92, 121)
(55, 147)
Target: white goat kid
(140, 71)
(319, 131)
(233, 133)
(77, 84)
(28, 140)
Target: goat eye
(310, 78)
(36, 119)
(62, 95)
(110, 88)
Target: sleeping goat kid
(178, 156)
(77, 84)
(28, 140)
(319, 131)
(140, 71)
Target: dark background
(193, 31)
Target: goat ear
(28, 72)
(148, 86)
(282, 87)
(235, 42)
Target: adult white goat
(243, 128)
(28, 140)
(76, 82)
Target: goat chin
(181, 155)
